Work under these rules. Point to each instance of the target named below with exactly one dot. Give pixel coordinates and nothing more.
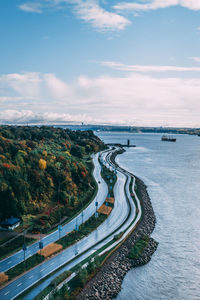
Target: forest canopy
(43, 166)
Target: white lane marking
(42, 270)
(52, 264)
(6, 293)
(9, 262)
(19, 284)
(31, 277)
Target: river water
(172, 173)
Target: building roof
(9, 222)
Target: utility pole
(59, 226)
(82, 214)
(24, 248)
(40, 244)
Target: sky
(115, 62)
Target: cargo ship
(168, 138)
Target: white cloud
(132, 99)
(149, 68)
(25, 84)
(30, 117)
(57, 87)
(195, 58)
(35, 7)
(89, 11)
(157, 4)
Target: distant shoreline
(117, 128)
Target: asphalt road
(18, 257)
(123, 213)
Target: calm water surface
(172, 173)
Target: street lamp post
(96, 213)
(59, 226)
(24, 248)
(59, 230)
(76, 226)
(82, 214)
(40, 244)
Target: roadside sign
(40, 245)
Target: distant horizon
(96, 125)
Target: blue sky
(100, 61)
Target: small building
(10, 224)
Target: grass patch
(139, 247)
(76, 284)
(6, 239)
(90, 225)
(132, 194)
(14, 246)
(55, 282)
(60, 278)
(118, 236)
(24, 266)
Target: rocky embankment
(107, 282)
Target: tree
(42, 164)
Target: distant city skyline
(134, 63)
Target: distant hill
(135, 129)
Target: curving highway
(120, 219)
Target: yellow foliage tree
(67, 152)
(42, 164)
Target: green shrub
(79, 280)
(60, 278)
(139, 247)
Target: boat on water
(168, 138)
